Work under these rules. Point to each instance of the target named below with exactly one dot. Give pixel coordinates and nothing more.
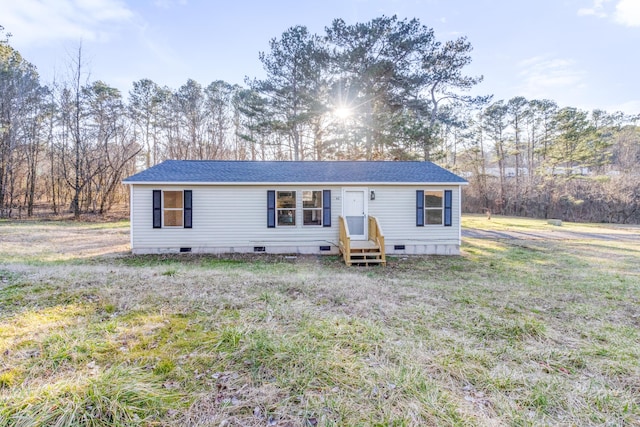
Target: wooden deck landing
(363, 244)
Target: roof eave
(339, 183)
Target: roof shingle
(347, 172)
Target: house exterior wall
(395, 208)
(233, 218)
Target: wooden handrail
(376, 235)
(345, 240)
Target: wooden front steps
(363, 252)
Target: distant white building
(568, 170)
(509, 172)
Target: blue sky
(581, 53)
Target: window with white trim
(312, 207)
(172, 208)
(286, 208)
(433, 207)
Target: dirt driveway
(627, 234)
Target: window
(281, 208)
(286, 208)
(312, 207)
(433, 207)
(172, 208)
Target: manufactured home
(362, 210)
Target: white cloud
(597, 9)
(44, 21)
(544, 77)
(630, 107)
(628, 13)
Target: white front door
(354, 210)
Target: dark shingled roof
(347, 172)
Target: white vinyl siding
(395, 207)
(228, 217)
(234, 219)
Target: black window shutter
(420, 208)
(326, 208)
(447, 208)
(157, 211)
(271, 208)
(188, 196)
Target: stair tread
(363, 244)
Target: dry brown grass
(36, 241)
(512, 333)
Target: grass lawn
(513, 332)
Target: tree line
(533, 158)
(381, 90)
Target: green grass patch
(514, 332)
(117, 396)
